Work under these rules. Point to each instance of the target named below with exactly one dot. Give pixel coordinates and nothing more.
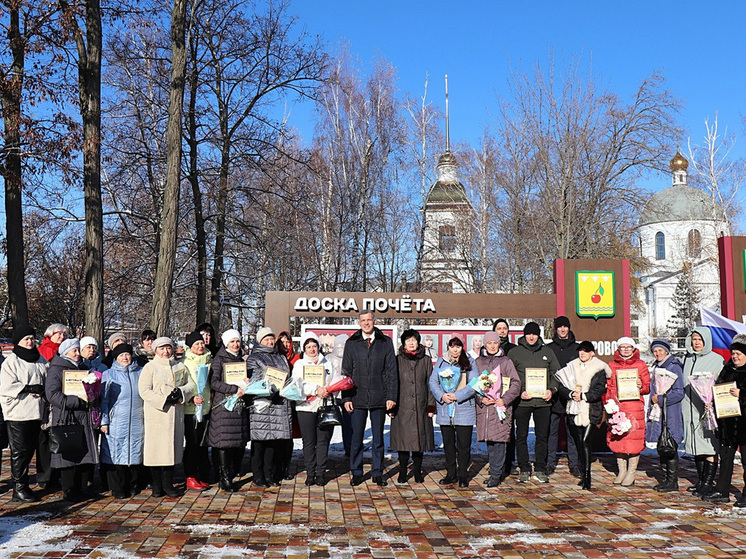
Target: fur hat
(410, 333)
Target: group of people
(154, 411)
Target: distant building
(678, 229)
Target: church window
(660, 246)
(694, 245)
(447, 241)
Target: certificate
(626, 384)
(276, 377)
(506, 385)
(725, 404)
(72, 384)
(314, 374)
(536, 382)
(235, 373)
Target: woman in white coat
(164, 386)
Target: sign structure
(594, 293)
(732, 260)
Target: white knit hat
(263, 332)
(309, 336)
(163, 340)
(229, 335)
(88, 340)
(626, 340)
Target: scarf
(29, 355)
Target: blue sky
(698, 46)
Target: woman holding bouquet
(493, 427)
(411, 419)
(197, 360)
(456, 409)
(315, 438)
(582, 386)
(627, 445)
(701, 367)
(76, 467)
(664, 367)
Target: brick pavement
(408, 521)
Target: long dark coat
(732, 430)
(228, 429)
(411, 428)
(88, 454)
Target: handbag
(328, 415)
(667, 447)
(67, 435)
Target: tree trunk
(217, 269)
(11, 104)
(170, 213)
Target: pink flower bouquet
(489, 384)
(92, 386)
(702, 384)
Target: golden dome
(679, 162)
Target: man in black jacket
(565, 347)
(370, 361)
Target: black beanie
(21, 332)
(192, 338)
(121, 348)
(561, 321)
(532, 328)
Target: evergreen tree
(685, 303)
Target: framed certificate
(234, 373)
(314, 374)
(536, 382)
(626, 384)
(725, 404)
(72, 384)
(276, 377)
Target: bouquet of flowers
(344, 384)
(489, 384)
(664, 380)
(618, 420)
(202, 374)
(92, 386)
(293, 391)
(702, 384)
(449, 382)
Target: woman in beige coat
(164, 386)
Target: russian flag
(723, 329)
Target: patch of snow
(378, 535)
(505, 526)
(534, 539)
(19, 534)
(635, 537)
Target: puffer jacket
(193, 363)
(465, 411)
(490, 427)
(122, 411)
(633, 441)
(538, 356)
(732, 430)
(698, 439)
(228, 428)
(673, 397)
(373, 370)
(275, 422)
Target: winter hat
(660, 343)
(586, 346)
(491, 337)
(121, 348)
(192, 338)
(88, 340)
(263, 332)
(454, 337)
(308, 336)
(68, 344)
(498, 321)
(739, 343)
(21, 332)
(229, 335)
(532, 328)
(410, 333)
(116, 336)
(561, 321)
(160, 342)
(626, 340)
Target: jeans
(377, 419)
(541, 429)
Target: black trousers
(76, 477)
(124, 478)
(196, 460)
(315, 443)
(582, 439)
(727, 454)
(44, 471)
(264, 455)
(23, 437)
(541, 429)
(457, 449)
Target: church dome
(679, 162)
(677, 203)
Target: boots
(708, 479)
(225, 478)
(168, 482)
(629, 477)
(699, 461)
(586, 476)
(621, 462)
(22, 493)
(157, 481)
(664, 475)
(672, 482)
(402, 473)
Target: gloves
(174, 397)
(33, 389)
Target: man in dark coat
(565, 347)
(502, 328)
(370, 361)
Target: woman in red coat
(628, 445)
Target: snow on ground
(23, 534)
